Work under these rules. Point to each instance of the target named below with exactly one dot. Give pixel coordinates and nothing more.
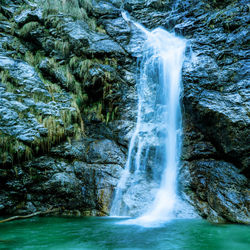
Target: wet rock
(99, 181)
(128, 35)
(63, 184)
(154, 3)
(29, 16)
(78, 34)
(139, 196)
(103, 8)
(25, 75)
(123, 131)
(219, 185)
(105, 151)
(116, 3)
(12, 43)
(102, 44)
(73, 150)
(5, 26)
(23, 129)
(82, 39)
(118, 29)
(8, 8)
(227, 122)
(58, 74)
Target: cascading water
(155, 146)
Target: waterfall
(154, 150)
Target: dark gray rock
(224, 112)
(78, 35)
(217, 190)
(25, 75)
(154, 3)
(8, 8)
(82, 39)
(5, 26)
(12, 43)
(102, 44)
(118, 29)
(29, 16)
(104, 8)
(105, 151)
(73, 150)
(98, 183)
(55, 75)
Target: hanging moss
(78, 9)
(27, 28)
(63, 47)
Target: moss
(5, 76)
(22, 8)
(10, 148)
(63, 47)
(74, 61)
(52, 63)
(80, 99)
(92, 24)
(70, 78)
(76, 8)
(13, 45)
(8, 81)
(84, 67)
(56, 133)
(100, 29)
(2, 17)
(27, 28)
(85, 4)
(95, 111)
(32, 59)
(28, 153)
(80, 120)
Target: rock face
(60, 85)
(68, 103)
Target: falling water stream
(159, 126)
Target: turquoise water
(105, 233)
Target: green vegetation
(7, 80)
(63, 47)
(73, 70)
(84, 67)
(13, 45)
(2, 17)
(11, 148)
(27, 28)
(33, 60)
(78, 9)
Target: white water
(158, 125)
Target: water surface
(105, 233)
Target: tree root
(20, 217)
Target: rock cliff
(68, 102)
